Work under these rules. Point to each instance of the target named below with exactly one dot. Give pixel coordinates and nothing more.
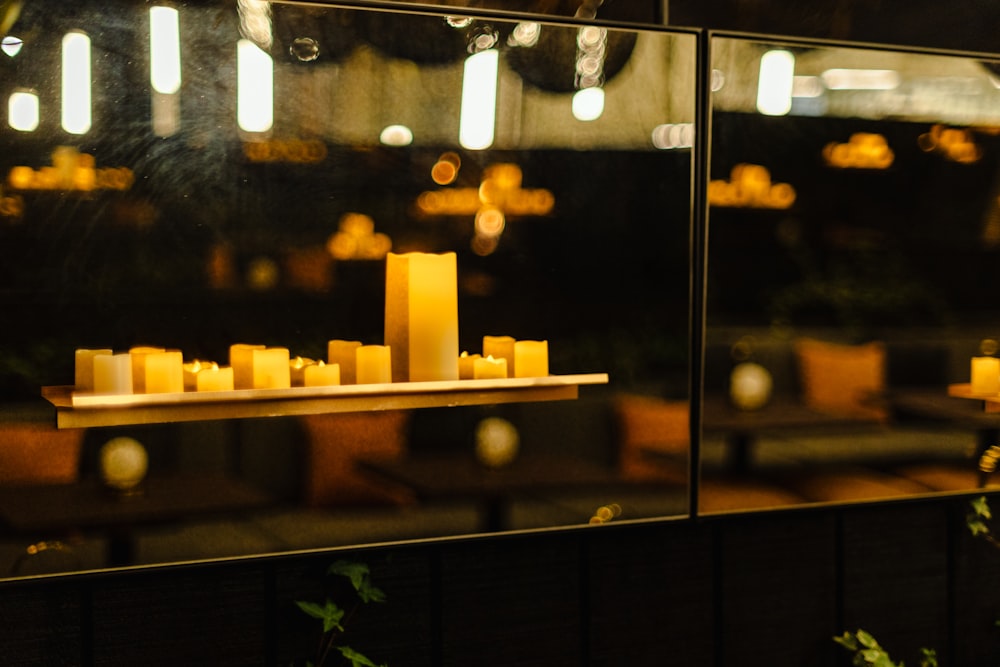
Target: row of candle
(150, 370)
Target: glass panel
(854, 225)
(191, 177)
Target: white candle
(467, 365)
(84, 380)
(241, 360)
(500, 347)
(489, 368)
(531, 358)
(374, 364)
(113, 373)
(321, 375)
(344, 354)
(985, 376)
(421, 316)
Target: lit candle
(271, 368)
(84, 380)
(500, 347)
(421, 316)
(467, 365)
(296, 369)
(531, 358)
(164, 372)
(241, 360)
(489, 368)
(191, 370)
(139, 366)
(985, 375)
(321, 375)
(374, 364)
(113, 373)
(344, 354)
(214, 378)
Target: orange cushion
(840, 378)
(648, 426)
(39, 454)
(335, 442)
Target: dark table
(44, 511)
(742, 427)
(947, 404)
(452, 477)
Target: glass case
(191, 176)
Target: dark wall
(757, 589)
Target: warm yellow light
(254, 88)
(164, 49)
(588, 104)
(396, 135)
(479, 100)
(775, 82)
(76, 100)
(22, 111)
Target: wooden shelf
(991, 402)
(83, 410)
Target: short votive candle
(84, 380)
(113, 373)
(214, 378)
(500, 347)
(321, 375)
(467, 365)
(374, 364)
(344, 354)
(531, 358)
(488, 368)
(985, 375)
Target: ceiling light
(774, 85)
(861, 79)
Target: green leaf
(356, 572)
(928, 657)
(848, 641)
(357, 659)
(981, 506)
(866, 639)
(977, 527)
(329, 613)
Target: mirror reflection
(853, 232)
(184, 179)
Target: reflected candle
(985, 375)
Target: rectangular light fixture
(76, 95)
(254, 88)
(775, 82)
(860, 79)
(164, 49)
(479, 100)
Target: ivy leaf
(357, 659)
(360, 577)
(848, 641)
(867, 640)
(977, 527)
(981, 507)
(329, 613)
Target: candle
(374, 364)
(241, 360)
(164, 372)
(489, 368)
(985, 375)
(421, 316)
(191, 370)
(321, 375)
(467, 365)
(271, 368)
(113, 373)
(500, 347)
(296, 369)
(214, 378)
(344, 354)
(531, 358)
(84, 380)
(139, 366)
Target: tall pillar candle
(374, 364)
(985, 375)
(113, 373)
(84, 362)
(531, 358)
(344, 354)
(421, 316)
(500, 347)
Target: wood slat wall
(756, 589)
